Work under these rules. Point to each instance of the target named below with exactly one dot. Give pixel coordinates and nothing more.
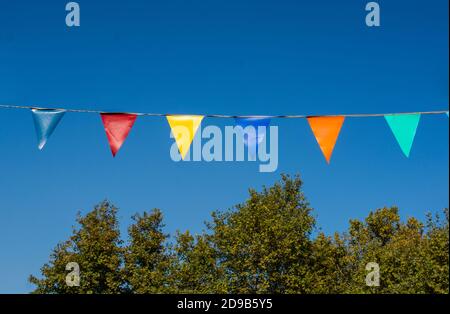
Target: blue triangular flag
(45, 122)
(252, 140)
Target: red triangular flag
(117, 126)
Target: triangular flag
(183, 130)
(117, 126)
(404, 127)
(45, 122)
(326, 130)
(252, 140)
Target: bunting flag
(252, 140)
(183, 130)
(45, 122)
(326, 130)
(117, 126)
(404, 127)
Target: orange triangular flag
(326, 130)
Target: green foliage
(264, 245)
(411, 260)
(95, 246)
(196, 268)
(147, 264)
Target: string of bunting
(326, 128)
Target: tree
(147, 262)
(196, 269)
(263, 245)
(95, 247)
(436, 251)
(329, 265)
(410, 259)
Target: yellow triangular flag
(183, 130)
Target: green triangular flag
(404, 127)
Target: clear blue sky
(222, 56)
